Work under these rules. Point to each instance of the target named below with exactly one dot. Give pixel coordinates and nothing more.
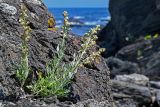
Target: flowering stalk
(90, 39)
(61, 48)
(23, 70)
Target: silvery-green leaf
(57, 48)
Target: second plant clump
(58, 75)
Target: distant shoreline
(82, 19)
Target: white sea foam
(91, 23)
(58, 21)
(78, 17)
(108, 18)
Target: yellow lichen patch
(52, 24)
(53, 29)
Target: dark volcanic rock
(92, 103)
(146, 54)
(43, 44)
(135, 94)
(119, 67)
(10, 32)
(155, 84)
(41, 103)
(89, 83)
(127, 51)
(133, 79)
(130, 19)
(123, 37)
(158, 98)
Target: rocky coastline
(129, 52)
(127, 72)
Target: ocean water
(82, 19)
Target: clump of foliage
(23, 69)
(59, 74)
(149, 37)
(55, 80)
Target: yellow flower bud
(102, 49)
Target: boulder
(130, 20)
(120, 67)
(124, 36)
(155, 84)
(10, 41)
(42, 47)
(158, 98)
(146, 54)
(133, 78)
(125, 92)
(97, 76)
(7, 9)
(128, 51)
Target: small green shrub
(23, 69)
(59, 74)
(156, 35)
(149, 37)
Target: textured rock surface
(146, 54)
(128, 52)
(7, 9)
(92, 103)
(42, 47)
(158, 98)
(40, 103)
(87, 81)
(124, 35)
(133, 78)
(10, 32)
(120, 67)
(155, 84)
(129, 20)
(135, 94)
